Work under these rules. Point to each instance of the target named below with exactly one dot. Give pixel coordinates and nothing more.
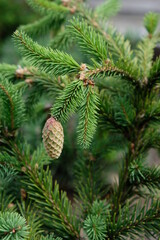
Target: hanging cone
(53, 137)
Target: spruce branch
(47, 7)
(34, 83)
(43, 25)
(107, 120)
(22, 152)
(151, 22)
(68, 102)
(89, 40)
(132, 219)
(117, 47)
(8, 71)
(100, 208)
(56, 207)
(62, 40)
(117, 112)
(141, 175)
(53, 62)
(95, 223)
(50, 237)
(7, 174)
(145, 51)
(151, 139)
(11, 110)
(13, 226)
(6, 158)
(39, 82)
(95, 227)
(13, 106)
(108, 9)
(89, 15)
(88, 184)
(155, 71)
(30, 213)
(109, 69)
(151, 116)
(121, 50)
(39, 157)
(124, 112)
(6, 201)
(88, 117)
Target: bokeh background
(16, 12)
(129, 19)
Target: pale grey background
(131, 15)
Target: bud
(11, 205)
(23, 193)
(53, 137)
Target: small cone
(53, 137)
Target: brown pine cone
(53, 137)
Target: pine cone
(53, 137)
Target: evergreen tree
(116, 89)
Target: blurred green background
(12, 14)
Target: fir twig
(88, 117)
(68, 101)
(53, 62)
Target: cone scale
(53, 137)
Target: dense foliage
(89, 78)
